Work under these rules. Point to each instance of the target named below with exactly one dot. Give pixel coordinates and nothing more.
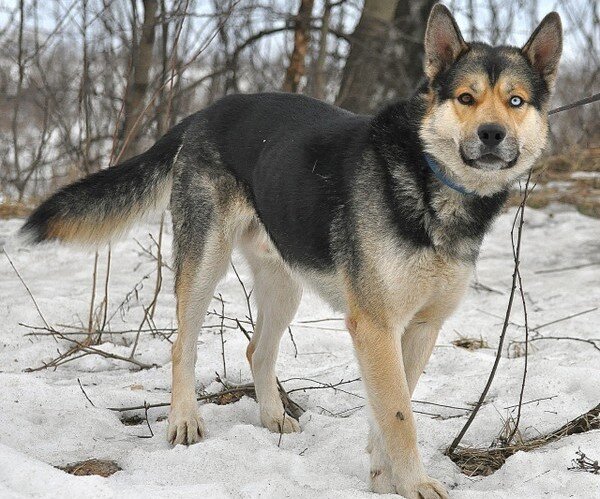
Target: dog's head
(486, 120)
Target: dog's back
(293, 154)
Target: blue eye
(516, 101)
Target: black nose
(491, 134)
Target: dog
(383, 216)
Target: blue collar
(439, 174)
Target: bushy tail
(104, 205)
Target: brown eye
(466, 99)
(516, 101)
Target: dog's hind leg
(199, 267)
(277, 295)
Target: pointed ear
(544, 47)
(443, 41)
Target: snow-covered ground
(45, 419)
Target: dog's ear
(443, 41)
(544, 46)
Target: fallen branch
(484, 462)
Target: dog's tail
(103, 206)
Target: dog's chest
(423, 275)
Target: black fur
(301, 160)
(294, 155)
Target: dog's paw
(427, 488)
(431, 489)
(381, 481)
(280, 424)
(185, 427)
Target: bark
(297, 67)
(139, 78)
(363, 65)
(319, 75)
(386, 54)
(410, 23)
(162, 119)
(15, 117)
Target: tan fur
(194, 288)
(94, 230)
(249, 352)
(446, 124)
(395, 459)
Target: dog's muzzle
(490, 149)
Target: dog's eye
(466, 99)
(516, 101)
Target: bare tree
(141, 61)
(363, 64)
(296, 67)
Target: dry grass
(469, 343)
(572, 179)
(100, 467)
(13, 210)
(484, 462)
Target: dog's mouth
(489, 162)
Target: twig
(146, 406)
(584, 463)
(86, 395)
(571, 267)
(326, 319)
(526, 323)
(293, 342)
(486, 461)
(105, 299)
(479, 286)
(532, 401)
(537, 328)
(93, 297)
(28, 291)
(321, 385)
(246, 389)
(247, 294)
(80, 330)
(281, 430)
(221, 333)
(517, 252)
(571, 338)
(88, 349)
(159, 278)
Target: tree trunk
(364, 62)
(297, 68)
(386, 55)
(410, 23)
(139, 82)
(162, 119)
(318, 74)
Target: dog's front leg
(395, 459)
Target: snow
(45, 419)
